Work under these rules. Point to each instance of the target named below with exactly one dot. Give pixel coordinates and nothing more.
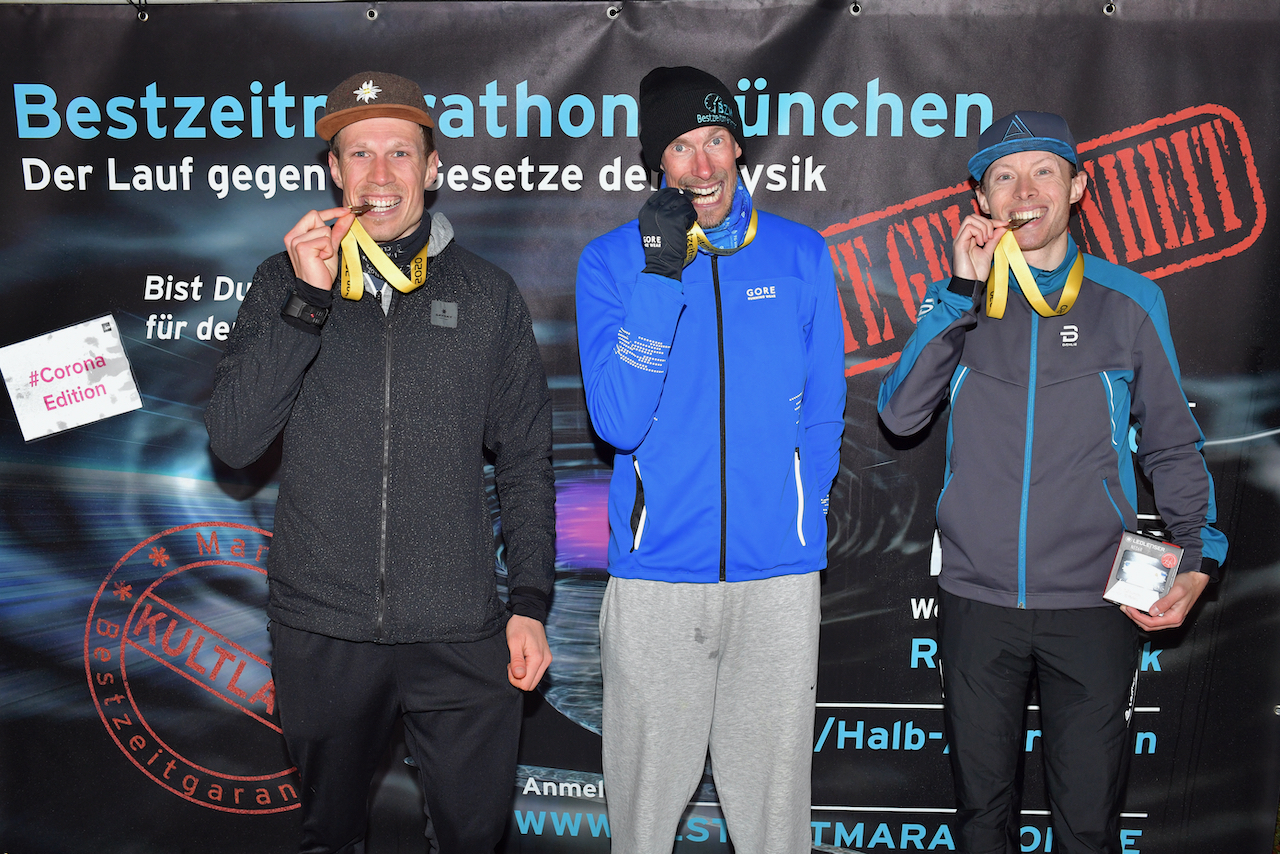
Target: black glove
(665, 221)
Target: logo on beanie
(1017, 130)
(718, 112)
(367, 92)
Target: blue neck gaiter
(1051, 280)
(730, 233)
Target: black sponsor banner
(148, 167)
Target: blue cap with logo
(674, 101)
(1023, 131)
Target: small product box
(1143, 571)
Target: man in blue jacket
(712, 356)
(1047, 363)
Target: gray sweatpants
(730, 667)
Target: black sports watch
(305, 311)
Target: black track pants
(338, 703)
(1086, 660)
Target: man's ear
(335, 171)
(1078, 185)
(982, 199)
(433, 166)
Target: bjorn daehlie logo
(1070, 335)
(717, 112)
(170, 664)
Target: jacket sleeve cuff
(674, 284)
(963, 287)
(528, 602)
(312, 296)
(1209, 567)
(318, 297)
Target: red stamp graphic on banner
(1170, 194)
(175, 651)
(1169, 560)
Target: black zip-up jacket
(382, 527)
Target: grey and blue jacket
(1046, 416)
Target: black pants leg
(337, 708)
(1086, 662)
(1088, 670)
(986, 668)
(462, 726)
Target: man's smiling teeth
(1025, 216)
(705, 194)
(382, 205)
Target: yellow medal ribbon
(353, 279)
(1009, 255)
(698, 238)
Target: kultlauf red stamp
(175, 651)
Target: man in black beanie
(393, 360)
(713, 362)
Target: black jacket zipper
(386, 481)
(724, 487)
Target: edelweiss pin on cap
(371, 95)
(1023, 131)
(674, 101)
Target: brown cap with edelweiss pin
(371, 95)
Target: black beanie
(674, 101)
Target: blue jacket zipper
(1026, 463)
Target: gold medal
(1008, 255)
(353, 279)
(698, 238)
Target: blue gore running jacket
(725, 403)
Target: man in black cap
(713, 361)
(392, 393)
(1045, 379)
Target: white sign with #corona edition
(69, 378)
